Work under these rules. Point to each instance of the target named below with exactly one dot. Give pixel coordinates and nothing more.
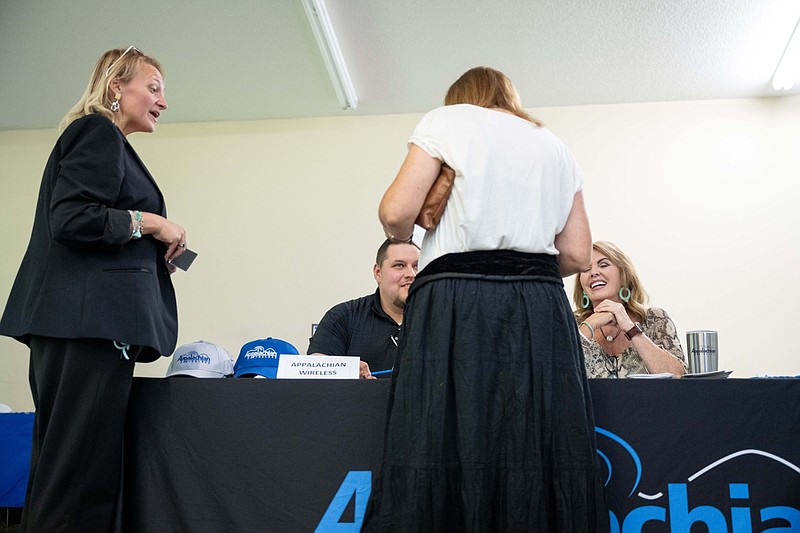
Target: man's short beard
(399, 303)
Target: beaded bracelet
(588, 326)
(136, 224)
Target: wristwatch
(635, 330)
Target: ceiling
(257, 59)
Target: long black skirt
(490, 424)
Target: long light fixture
(789, 66)
(334, 60)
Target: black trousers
(80, 391)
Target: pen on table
(379, 372)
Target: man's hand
(364, 372)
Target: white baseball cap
(201, 359)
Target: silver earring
(115, 103)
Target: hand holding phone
(185, 260)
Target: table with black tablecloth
(246, 455)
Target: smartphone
(185, 260)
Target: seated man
(369, 326)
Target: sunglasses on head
(131, 47)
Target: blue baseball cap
(260, 358)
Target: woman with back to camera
(93, 294)
(490, 424)
(619, 335)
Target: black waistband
(494, 263)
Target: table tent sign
(317, 367)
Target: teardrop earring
(115, 103)
(585, 303)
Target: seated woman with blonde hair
(619, 335)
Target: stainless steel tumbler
(701, 346)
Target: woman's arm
(662, 331)
(574, 243)
(656, 359)
(90, 174)
(404, 198)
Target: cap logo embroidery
(194, 357)
(260, 353)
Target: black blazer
(82, 275)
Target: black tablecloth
(231, 455)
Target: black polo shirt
(358, 327)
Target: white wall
(702, 196)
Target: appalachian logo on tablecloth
(729, 493)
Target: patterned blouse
(657, 325)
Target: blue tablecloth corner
(16, 431)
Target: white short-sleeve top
(514, 187)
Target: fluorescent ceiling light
(326, 39)
(789, 66)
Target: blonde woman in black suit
(93, 294)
